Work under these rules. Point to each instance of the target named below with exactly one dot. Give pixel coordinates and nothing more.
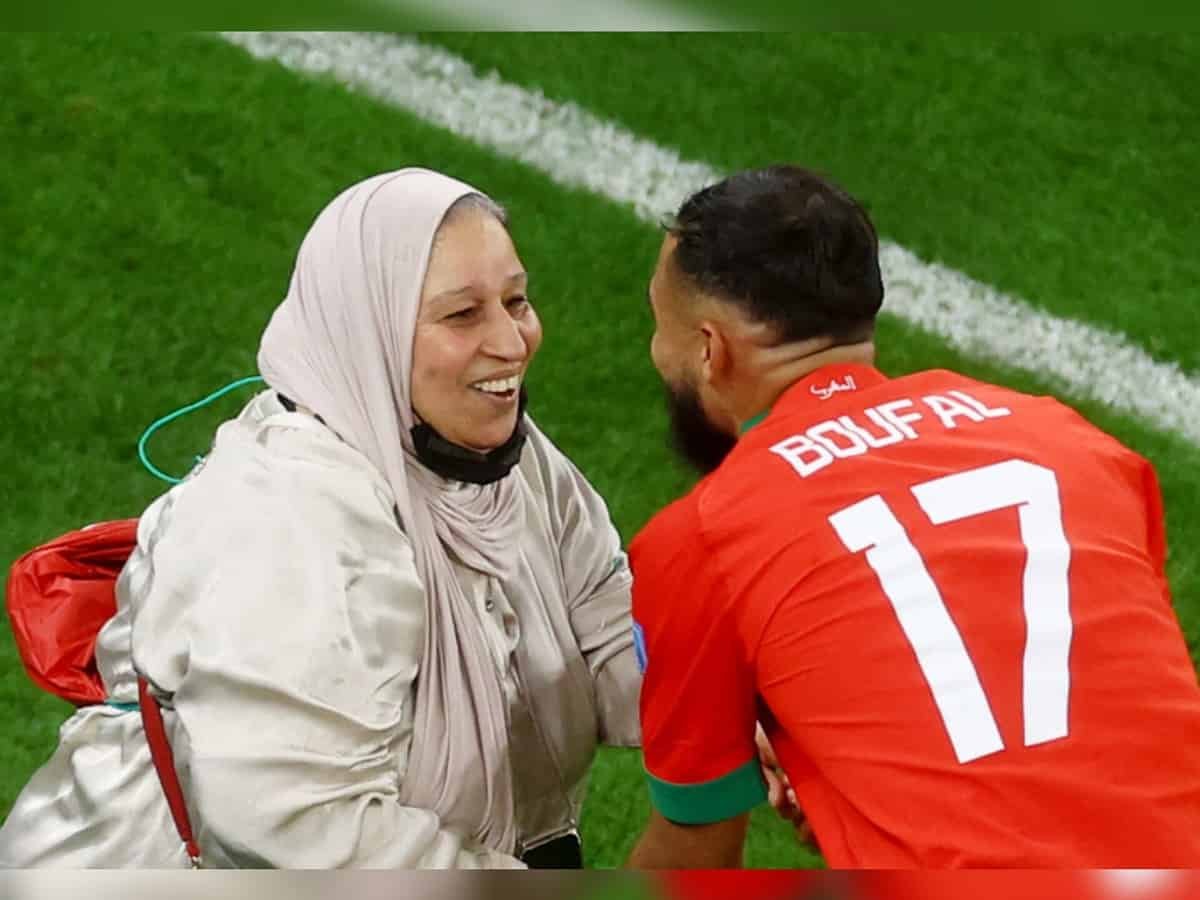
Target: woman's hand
(779, 790)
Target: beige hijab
(341, 344)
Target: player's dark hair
(790, 247)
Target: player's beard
(693, 435)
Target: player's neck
(776, 375)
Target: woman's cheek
(532, 330)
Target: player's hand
(779, 790)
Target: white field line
(578, 149)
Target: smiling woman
(476, 330)
(387, 621)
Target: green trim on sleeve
(710, 801)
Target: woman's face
(476, 333)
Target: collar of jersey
(800, 394)
(753, 420)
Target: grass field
(155, 189)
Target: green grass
(155, 189)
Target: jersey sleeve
(1155, 517)
(698, 701)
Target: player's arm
(1155, 517)
(667, 845)
(698, 701)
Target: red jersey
(1100, 884)
(774, 884)
(945, 601)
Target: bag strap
(164, 765)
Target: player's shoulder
(1041, 411)
(935, 380)
(675, 525)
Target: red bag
(59, 597)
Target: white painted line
(578, 149)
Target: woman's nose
(503, 338)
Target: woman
(387, 619)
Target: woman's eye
(462, 313)
(517, 303)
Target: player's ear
(715, 358)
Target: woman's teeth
(499, 386)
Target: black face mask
(463, 464)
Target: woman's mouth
(500, 390)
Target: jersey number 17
(871, 526)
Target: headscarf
(340, 344)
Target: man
(944, 600)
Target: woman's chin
(487, 440)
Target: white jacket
(274, 604)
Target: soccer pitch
(155, 189)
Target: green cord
(171, 417)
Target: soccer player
(943, 600)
